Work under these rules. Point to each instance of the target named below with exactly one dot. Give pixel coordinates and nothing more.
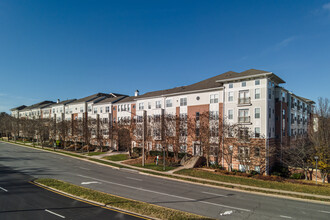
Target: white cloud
(284, 42)
(326, 6)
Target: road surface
(199, 199)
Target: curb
(138, 170)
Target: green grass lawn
(142, 208)
(153, 166)
(95, 153)
(117, 157)
(322, 189)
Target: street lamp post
(316, 158)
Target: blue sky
(71, 49)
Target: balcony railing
(244, 119)
(244, 101)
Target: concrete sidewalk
(193, 180)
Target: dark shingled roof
(209, 83)
(64, 102)
(95, 97)
(18, 108)
(111, 100)
(128, 99)
(205, 84)
(39, 105)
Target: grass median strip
(138, 207)
(116, 157)
(318, 190)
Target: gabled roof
(64, 102)
(95, 97)
(39, 105)
(205, 84)
(18, 108)
(127, 99)
(110, 100)
(249, 73)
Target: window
(269, 93)
(149, 105)
(243, 116)
(183, 148)
(214, 98)
(230, 96)
(101, 110)
(230, 114)
(243, 84)
(243, 134)
(257, 113)
(214, 115)
(243, 151)
(244, 97)
(257, 132)
(183, 101)
(158, 104)
(107, 109)
(169, 103)
(257, 169)
(197, 116)
(141, 106)
(257, 94)
(197, 132)
(257, 82)
(95, 110)
(269, 113)
(231, 85)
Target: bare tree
(320, 137)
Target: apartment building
(266, 115)
(252, 99)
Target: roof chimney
(137, 93)
(58, 101)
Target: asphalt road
(203, 200)
(20, 199)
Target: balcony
(244, 101)
(245, 119)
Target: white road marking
(165, 194)
(226, 213)
(3, 189)
(214, 194)
(54, 213)
(133, 178)
(87, 183)
(283, 216)
(324, 211)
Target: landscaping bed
(263, 182)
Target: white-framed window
(257, 113)
(243, 84)
(230, 114)
(214, 98)
(257, 93)
(141, 106)
(158, 104)
(149, 105)
(257, 169)
(230, 96)
(183, 101)
(269, 93)
(231, 85)
(257, 132)
(81, 109)
(243, 152)
(243, 116)
(101, 109)
(107, 109)
(257, 82)
(183, 148)
(168, 103)
(95, 110)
